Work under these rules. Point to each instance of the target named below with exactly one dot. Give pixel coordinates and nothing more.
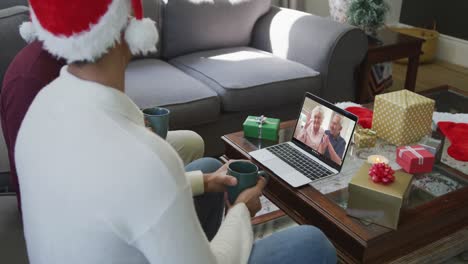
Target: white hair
(340, 116)
(318, 110)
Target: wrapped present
(261, 127)
(377, 203)
(415, 159)
(402, 117)
(364, 138)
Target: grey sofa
(212, 72)
(217, 64)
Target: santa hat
(84, 30)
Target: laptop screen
(324, 130)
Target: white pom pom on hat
(27, 32)
(87, 29)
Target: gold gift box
(364, 138)
(377, 203)
(402, 117)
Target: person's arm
(333, 155)
(210, 182)
(196, 181)
(323, 144)
(177, 237)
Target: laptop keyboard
(296, 159)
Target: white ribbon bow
(260, 121)
(414, 151)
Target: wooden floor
(432, 75)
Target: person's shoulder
(341, 139)
(33, 62)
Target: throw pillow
(195, 25)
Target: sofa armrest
(331, 48)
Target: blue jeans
(301, 244)
(209, 206)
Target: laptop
(318, 148)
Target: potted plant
(369, 15)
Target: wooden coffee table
(431, 226)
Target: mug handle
(265, 175)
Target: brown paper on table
(402, 117)
(377, 203)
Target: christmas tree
(368, 15)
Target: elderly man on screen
(312, 132)
(333, 145)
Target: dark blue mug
(158, 120)
(246, 174)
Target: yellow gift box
(364, 138)
(402, 117)
(377, 203)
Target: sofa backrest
(11, 3)
(190, 25)
(152, 9)
(10, 40)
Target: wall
(450, 20)
(449, 16)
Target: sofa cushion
(190, 25)
(153, 82)
(11, 42)
(249, 79)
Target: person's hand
(326, 140)
(308, 120)
(148, 125)
(323, 144)
(251, 197)
(218, 180)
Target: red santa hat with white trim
(84, 30)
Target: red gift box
(415, 159)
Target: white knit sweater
(98, 187)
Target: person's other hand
(326, 140)
(323, 145)
(148, 125)
(218, 180)
(251, 197)
(308, 120)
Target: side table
(393, 46)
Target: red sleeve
(17, 95)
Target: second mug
(158, 119)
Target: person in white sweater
(83, 129)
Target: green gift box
(261, 127)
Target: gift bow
(366, 131)
(260, 120)
(414, 151)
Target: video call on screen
(324, 130)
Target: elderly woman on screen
(312, 133)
